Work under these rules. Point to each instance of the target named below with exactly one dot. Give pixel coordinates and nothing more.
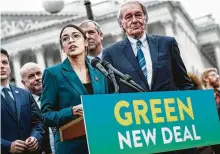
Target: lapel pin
(16, 92)
(96, 78)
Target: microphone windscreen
(104, 63)
(95, 61)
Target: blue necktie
(141, 58)
(10, 101)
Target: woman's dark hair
(73, 26)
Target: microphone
(109, 66)
(96, 63)
(113, 79)
(125, 77)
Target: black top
(88, 87)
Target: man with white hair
(153, 62)
(31, 77)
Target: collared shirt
(10, 91)
(146, 51)
(36, 98)
(91, 57)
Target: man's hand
(32, 143)
(18, 146)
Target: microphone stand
(115, 84)
(130, 85)
(136, 86)
(126, 80)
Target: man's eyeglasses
(66, 38)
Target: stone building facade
(34, 36)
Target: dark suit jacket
(62, 90)
(46, 139)
(28, 122)
(169, 72)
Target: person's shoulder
(19, 90)
(162, 38)
(114, 46)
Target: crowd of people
(31, 117)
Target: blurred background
(30, 28)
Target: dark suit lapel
(94, 79)
(129, 54)
(4, 104)
(17, 97)
(153, 46)
(72, 78)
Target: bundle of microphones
(109, 71)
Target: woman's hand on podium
(77, 110)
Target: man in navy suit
(153, 62)
(21, 126)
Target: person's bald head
(31, 77)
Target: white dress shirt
(146, 51)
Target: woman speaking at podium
(63, 84)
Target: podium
(73, 129)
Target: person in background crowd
(211, 80)
(63, 84)
(196, 80)
(198, 84)
(94, 36)
(31, 77)
(21, 126)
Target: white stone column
(17, 66)
(50, 61)
(168, 25)
(55, 46)
(62, 55)
(217, 55)
(39, 52)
